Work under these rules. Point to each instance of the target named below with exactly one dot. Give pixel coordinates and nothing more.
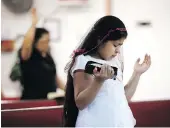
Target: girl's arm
(131, 86)
(87, 86)
(139, 69)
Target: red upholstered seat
(44, 117)
(152, 113)
(10, 98)
(27, 104)
(149, 114)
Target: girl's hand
(141, 68)
(105, 73)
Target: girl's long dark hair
(103, 30)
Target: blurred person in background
(36, 63)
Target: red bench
(33, 117)
(149, 114)
(27, 104)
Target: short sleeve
(79, 64)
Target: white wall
(74, 24)
(155, 84)
(154, 40)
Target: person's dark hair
(105, 29)
(38, 34)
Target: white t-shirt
(110, 107)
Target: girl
(98, 100)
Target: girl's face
(110, 49)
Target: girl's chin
(110, 58)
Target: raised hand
(141, 68)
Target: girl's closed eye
(115, 45)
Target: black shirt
(38, 75)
